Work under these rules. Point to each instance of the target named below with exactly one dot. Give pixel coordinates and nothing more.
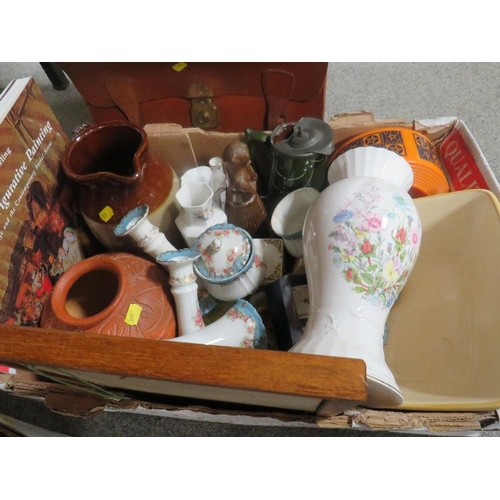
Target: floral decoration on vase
(376, 265)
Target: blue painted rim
(260, 338)
(170, 255)
(126, 223)
(293, 236)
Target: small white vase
(361, 240)
(198, 210)
(148, 237)
(184, 288)
(214, 177)
(215, 163)
(241, 326)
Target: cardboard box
(233, 385)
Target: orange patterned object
(415, 148)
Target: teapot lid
(309, 135)
(226, 252)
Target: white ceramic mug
(288, 218)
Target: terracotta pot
(114, 293)
(114, 172)
(414, 147)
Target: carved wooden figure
(243, 207)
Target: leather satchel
(225, 97)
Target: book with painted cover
(38, 240)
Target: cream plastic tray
(444, 331)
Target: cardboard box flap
(347, 125)
(184, 148)
(207, 145)
(367, 118)
(415, 422)
(435, 129)
(172, 143)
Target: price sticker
(179, 66)
(133, 314)
(106, 213)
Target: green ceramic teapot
(292, 156)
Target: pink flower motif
(233, 314)
(198, 319)
(258, 261)
(374, 222)
(401, 236)
(414, 238)
(366, 247)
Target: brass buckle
(203, 111)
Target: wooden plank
(117, 358)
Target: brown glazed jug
(114, 171)
(113, 293)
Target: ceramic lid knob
(215, 246)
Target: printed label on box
(465, 165)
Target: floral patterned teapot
(229, 265)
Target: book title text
(20, 171)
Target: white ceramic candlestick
(148, 237)
(184, 288)
(361, 240)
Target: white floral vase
(361, 240)
(199, 212)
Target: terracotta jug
(114, 293)
(114, 172)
